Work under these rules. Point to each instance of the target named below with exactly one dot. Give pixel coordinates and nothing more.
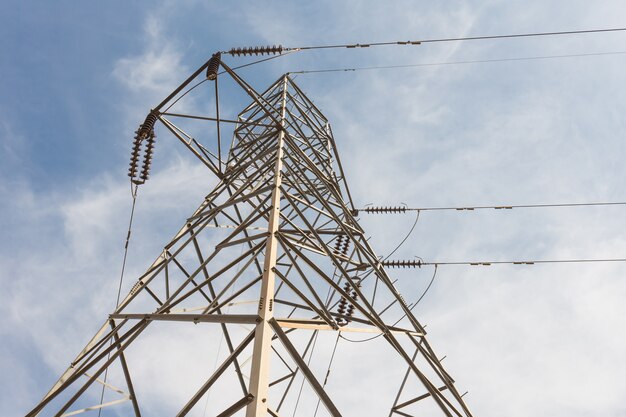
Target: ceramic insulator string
(257, 50)
(145, 133)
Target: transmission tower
(274, 260)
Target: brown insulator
(214, 66)
(147, 157)
(345, 307)
(411, 263)
(147, 126)
(134, 156)
(377, 210)
(346, 245)
(258, 50)
(342, 244)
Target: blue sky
(77, 78)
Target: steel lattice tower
(273, 258)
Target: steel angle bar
(209, 164)
(416, 399)
(218, 372)
(126, 339)
(309, 104)
(236, 406)
(231, 202)
(183, 85)
(327, 315)
(98, 355)
(159, 264)
(292, 304)
(218, 310)
(282, 378)
(305, 237)
(217, 114)
(303, 324)
(277, 85)
(309, 204)
(252, 142)
(327, 319)
(341, 172)
(310, 345)
(172, 301)
(108, 385)
(368, 253)
(250, 151)
(308, 374)
(404, 379)
(324, 202)
(444, 404)
(317, 130)
(210, 119)
(96, 407)
(189, 280)
(93, 346)
(254, 95)
(129, 382)
(246, 239)
(366, 312)
(234, 295)
(309, 248)
(192, 318)
(433, 361)
(312, 166)
(332, 232)
(445, 377)
(248, 221)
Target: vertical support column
(259, 375)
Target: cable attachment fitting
(214, 66)
(411, 263)
(257, 50)
(379, 210)
(144, 133)
(345, 308)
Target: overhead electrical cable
(419, 263)
(479, 61)
(133, 192)
(458, 39)
(190, 89)
(404, 209)
(410, 306)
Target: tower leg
(259, 375)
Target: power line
(432, 64)
(466, 38)
(418, 263)
(404, 209)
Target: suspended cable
(411, 307)
(417, 217)
(134, 188)
(465, 38)
(316, 332)
(332, 357)
(419, 263)
(432, 64)
(402, 209)
(193, 87)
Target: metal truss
(274, 247)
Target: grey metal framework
(276, 248)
